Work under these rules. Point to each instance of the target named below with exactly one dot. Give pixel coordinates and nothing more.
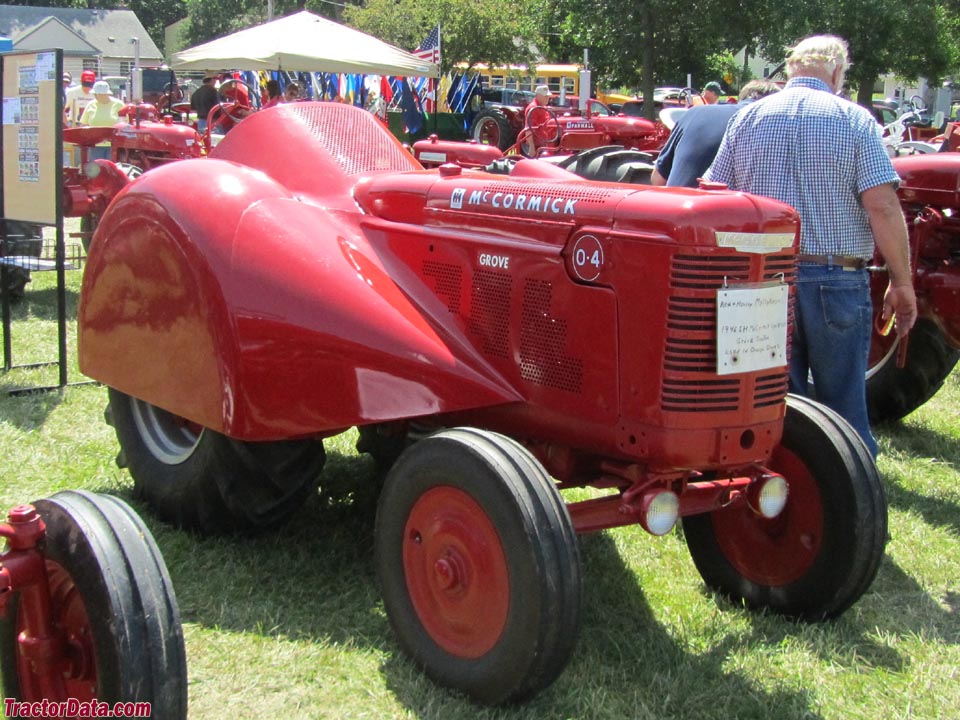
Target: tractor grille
(690, 357)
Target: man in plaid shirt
(822, 154)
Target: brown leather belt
(844, 261)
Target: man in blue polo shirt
(811, 149)
(694, 140)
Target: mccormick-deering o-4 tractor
(497, 339)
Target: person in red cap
(79, 97)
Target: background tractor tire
(491, 127)
(893, 392)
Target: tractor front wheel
(479, 565)
(112, 606)
(196, 478)
(820, 554)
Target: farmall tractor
(498, 339)
(904, 374)
(548, 130)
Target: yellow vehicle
(565, 78)
(554, 76)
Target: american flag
(429, 49)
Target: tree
(499, 32)
(651, 42)
(912, 40)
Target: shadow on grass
(919, 445)
(30, 410)
(42, 304)
(311, 579)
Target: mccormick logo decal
(513, 201)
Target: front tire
(821, 553)
(892, 392)
(113, 605)
(479, 566)
(196, 478)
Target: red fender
(190, 307)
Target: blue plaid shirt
(811, 149)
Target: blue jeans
(99, 153)
(831, 340)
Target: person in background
(712, 92)
(102, 111)
(78, 97)
(203, 100)
(822, 154)
(274, 96)
(67, 84)
(291, 93)
(694, 140)
(541, 97)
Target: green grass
(290, 624)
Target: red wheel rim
(70, 619)
(456, 572)
(490, 133)
(781, 550)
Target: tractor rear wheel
(491, 127)
(113, 605)
(893, 392)
(196, 478)
(611, 163)
(820, 554)
(479, 565)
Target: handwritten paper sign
(751, 328)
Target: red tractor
(905, 374)
(89, 624)
(560, 130)
(498, 339)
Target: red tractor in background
(554, 129)
(497, 339)
(903, 375)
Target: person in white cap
(104, 111)
(541, 96)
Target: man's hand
(900, 304)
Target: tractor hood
(454, 199)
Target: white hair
(821, 54)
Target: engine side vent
(447, 281)
(543, 338)
(489, 319)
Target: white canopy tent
(303, 42)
